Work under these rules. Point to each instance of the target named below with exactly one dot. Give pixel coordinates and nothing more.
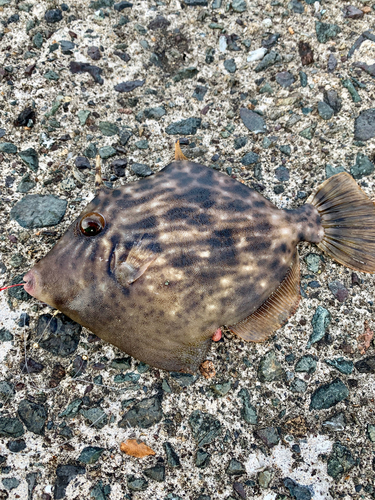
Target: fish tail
(348, 219)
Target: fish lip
(30, 284)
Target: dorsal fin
(275, 311)
(178, 154)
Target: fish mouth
(31, 282)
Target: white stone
(256, 55)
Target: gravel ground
(291, 418)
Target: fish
(157, 266)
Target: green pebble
(136, 483)
(90, 454)
(106, 152)
(221, 389)
(326, 31)
(38, 40)
(340, 461)
(156, 473)
(330, 171)
(108, 129)
(270, 368)
(371, 432)
(83, 114)
(248, 411)
(8, 147)
(308, 132)
(266, 89)
(126, 377)
(344, 366)
(96, 416)
(307, 364)
(30, 158)
(265, 478)
(165, 386)
(363, 166)
(352, 91)
(51, 75)
(185, 73)
(325, 111)
(320, 322)
(142, 144)
(235, 468)
(298, 385)
(329, 395)
(313, 262)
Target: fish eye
(92, 224)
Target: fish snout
(31, 283)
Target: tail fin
(348, 219)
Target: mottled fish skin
(220, 250)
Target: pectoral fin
(136, 264)
(275, 311)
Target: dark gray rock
(64, 474)
(184, 127)
(53, 16)
(159, 23)
(230, 65)
(173, 459)
(120, 6)
(363, 166)
(352, 12)
(196, 3)
(8, 147)
(136, 483)
(329, 395)
(270, 368)
(330, 171)
(269, 436)
(199, 93)
(204, 427)
(36, 210)
(364, 125)
(16, 446)
(340, 461)
(60, 334)
(141, 169)
(184, 379)
(268, 60)
(366, 365)
(10, 483)
(326, 31)
(240, 142)
(154, 113)
(335, 423)
(332, 63)
(235, 468)
(94, 53)
(82, 162)
(72, 409)
(33, 415)
(282, 174)
(185, 74)
(320, 322)
(296, 6)
(108, 129)
(333, 100)
(285, 79)
(338, 290)
(144, 414)
(81, 67)
(298, 385)
(250, 159)
(252, 121)
(156, 473)
(2, 132)
(91, 151)
(202, 459)
(107, 152)
(6, 390)
(121, 363)
(348, 84)
(297, 491)
(325, 111)
(125, 135)
(66, 46)
(11, 427)
(90, 454)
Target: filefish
(155, 267)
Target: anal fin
(275, 311)
(136, 264)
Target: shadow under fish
(157, 266)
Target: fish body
(155, 267)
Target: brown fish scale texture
(221, 250)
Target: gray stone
(90, 454)
(297, 491)
(83, 115)
(285, 149)
(340, 461)
(332, 63)
(285, 79)
(53, 16)
(141, 169)
(120, 6)
(10, 483)
(60, 334)
(309, 132)
(6, 390)
(344, 366)
(11, 427)
(33, 415)
(129, 86)
(326, 31)
(72, 409)
(204, 427)
(329, 395)
(121, 363)
(94, 53)
(202, 459)
(364, 125)
(144, 414)
(338, 290)
(26, 184)
(268, 60)
(307, 364)
(91, 151)
(96, 416)
(265, 478)
(330, 171)
(125, 135)
(172, 457)
(266, 89)
(282, 174)
(184, 127)
(64, 474)
(371, 432)
(185, 74)
(320, 322)
(270, 368)
(235, 468)
(366, 365)
(269, 436)
(352, 12)
(230, 65)
(38, 40)
(363, 166)
(8, 147)
(36, 210)
(142, 144)
(5, 335)
(199, 93)
(51, 75)
(250, 159)
(239, 5)
(240, 142)
(313, 262)
(154, 113)
(325, 111)
(107, 152)
(333, 100)
(248, 411)
(303, 78)
(298, 385)
(156, 473)
(30, 158)
(136, 483)
(252, 121)
(184, 379)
